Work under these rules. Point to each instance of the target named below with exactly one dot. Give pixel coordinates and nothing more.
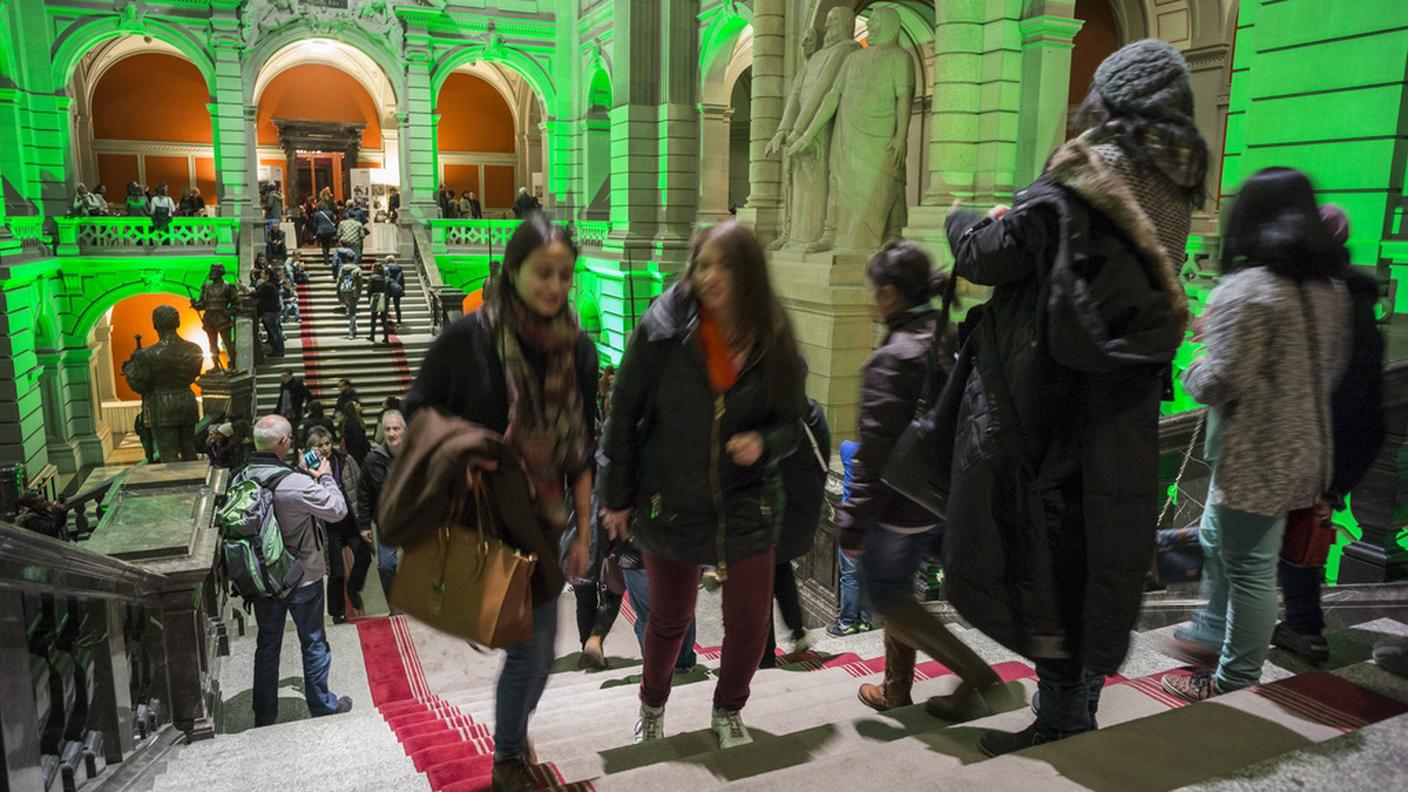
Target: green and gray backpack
(251, 543)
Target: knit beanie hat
(1147, 78)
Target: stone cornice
(1205, 58)
(1049, 29)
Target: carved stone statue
(807, 174)
(871, 103)
(163, 373)
(219, 300)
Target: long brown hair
(758, 315)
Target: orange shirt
(722, 370)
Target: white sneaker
(728, 727)
(651, 725)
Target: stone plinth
(228, 394)
(829, 300)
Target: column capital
(1049, 30)
(1207, 58)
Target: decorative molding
(261, 18)
(1206, 58)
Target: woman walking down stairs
(432, 709)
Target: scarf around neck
(545, 423)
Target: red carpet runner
(455, 753)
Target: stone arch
(107, 54)
(515, 59)
(75, 42)
(498, 77)
(596, 143)
(100, 294)
(719, 46)
(358, 40)
(1132, 18)
(335, 54)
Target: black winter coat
(1055, 488)
(891, 383)
(662, 452)
(803, 474)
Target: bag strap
(935, 355)
(816, 447)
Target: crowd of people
(140, 201)
(700, 460)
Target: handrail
(429, 274)
(108, 233)
(33, 562)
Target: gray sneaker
(728, 727)
(1311, 647)
(651, 725)
(1392, 656)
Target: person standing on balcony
(525, 204)
(136, 203)
(273, 207)
(187, 205)
(708, 399)
(83, 203)
(393, 205)
(445, 197)
(100, 201)
(476, 212)
(163, 208)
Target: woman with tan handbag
(708, 398)
(522, 367)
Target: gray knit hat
(1147, 78)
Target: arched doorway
(725, 118)
(478, 136)
(596, 154)
(325, 109)
(1099, 36)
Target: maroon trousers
(674, 588)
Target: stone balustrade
(28, 230)
(447, 235)
(113, 234)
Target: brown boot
(899, 678)
(915, 626)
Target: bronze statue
(163, 373)
(219, 300)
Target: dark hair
(314, 409)
(909, 269)
(1274, 222)
(759, 316)
(534, 232)
(1131, 133)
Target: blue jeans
(386, 564)
(270, 320)
(1239, 580)
(855, 608)
(1069, 697)
(639, 589)
(351, 319)
(305, 604)
(891, 560)
(521, 683)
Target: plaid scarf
(545, 424)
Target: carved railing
(83, 666)
(106, 234)
(591, 234)
(446, 234)
(29, 230)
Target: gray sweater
(299, 504)
(1273, 446)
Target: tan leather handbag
(466, 583)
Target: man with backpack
(396, 286)
(301, 499)
(349, 293)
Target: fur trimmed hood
(1080, 169)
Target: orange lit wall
(473, 301)
(499, 189)
(205, 179)
(173, 171)
(115, 170)
(474, 116)
(134, 315)
(152, 96)
(1098, 37)
(462, 177)
(315, 92)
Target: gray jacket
(1273, 441)
(301, 504)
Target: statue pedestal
(226, 393)
(829, 300)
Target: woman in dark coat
(523, 367)
(891, 534)
(1055, 491)
(707, 399)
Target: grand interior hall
(210, 206)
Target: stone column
(85, 159)
(11, 160)
(635, 164)
(233, 125)
(764, 208)
(46, 126)
(678, 132)
(1047, 42)
(419, 174)
(555, 150)
(953, 137)
(1208, 66)
(715, 132)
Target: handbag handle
(926, 397)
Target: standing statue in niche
(163, 373)
(871, 103)
(807, 177)
(219, 300)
